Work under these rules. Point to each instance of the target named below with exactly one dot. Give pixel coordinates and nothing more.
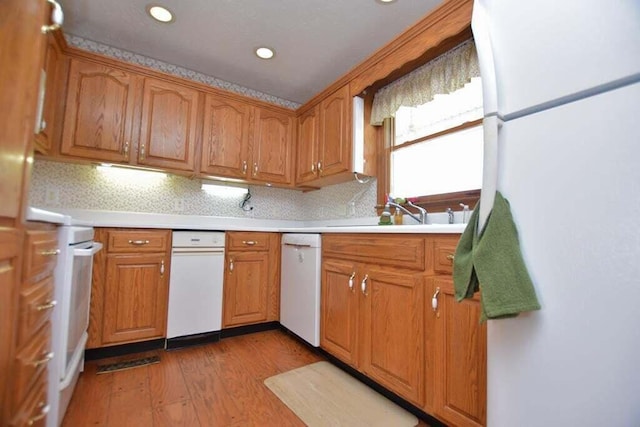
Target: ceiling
(315, 41)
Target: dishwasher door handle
(197, 251)
(294, 245)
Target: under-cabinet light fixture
(128, 175)
(225, 189)
(160, 13)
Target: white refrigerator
(561, 81)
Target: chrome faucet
(450, 213)
(422, 212)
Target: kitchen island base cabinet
(251, 290)
(130, 287)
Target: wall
(64, 185)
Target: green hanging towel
(493, 260)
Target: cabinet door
(307, 148)
(99, 112)
(393, 330)
(225, 140)
(168, 125)
(52, 59)
(272, 145)
(135, 298)
(246, 288)
(339, 310)
(335, 131)
(460, 373)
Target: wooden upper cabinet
(47, 126)
(307, 148)
(334, 154)
(99, 112)
(272, 146)
(168, 125)
(225, 140)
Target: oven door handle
(90, 251)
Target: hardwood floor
(220, 384)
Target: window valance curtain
(444, 74)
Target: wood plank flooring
(220, 384)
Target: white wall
(572, 175)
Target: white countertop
(198, 222)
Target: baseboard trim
(123, 349)
(191, 340)
(249, 329)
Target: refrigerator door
(542, 58)
(571, 175)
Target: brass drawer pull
(363, 285)
(138, 242)
(351, 278)
(47, 306)
(43, 413)
(451, 257)
(47, 357)
(250, 242)
(50, 252)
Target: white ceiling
(316, 41)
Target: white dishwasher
(195, 288)
(300, 286)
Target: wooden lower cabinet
(378, 318)
(130, 288)
(246, 290)
(460, 364)
(372, 315)
(393, 330)
(136, 297)
(251, 279)
(339, 310)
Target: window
(437, 147)
(433, 150)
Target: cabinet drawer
(248, 241)
(41, 253)
(36, 305)
(30, 362)
(444, 250)
(34, 408)
(394, 250)
(138, 241)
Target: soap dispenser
(385, 218)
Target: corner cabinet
(375, 317)
(251, 279)
(247, 142)
(130, 287)
(324, 138)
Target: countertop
(198, 222)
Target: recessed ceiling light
(385, 1)
(160, 13)
(265, 52)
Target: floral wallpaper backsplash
(123, 55)
(64, 185)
